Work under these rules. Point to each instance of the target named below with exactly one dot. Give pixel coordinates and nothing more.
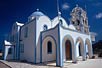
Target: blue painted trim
(41, 47)
(19, 34)
(60, 52)
(17, 46)
(59, 46)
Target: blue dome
(37, 13)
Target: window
(61, 22)
(45, 27)
(73, 22)
(78, 22)
(49, 47)
(10, 51)
(26, 32)
(22, 48)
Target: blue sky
(19, 10)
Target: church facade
(42, 39)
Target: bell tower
(79, 19)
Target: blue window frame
(26, 32)
(49, 47)
(45, 27)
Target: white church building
(43, 40)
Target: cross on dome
(37, 9)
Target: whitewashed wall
(54, 33)
(41, 21)
(55, 21)
(28, 42)
(75, 35)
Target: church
(43, 40)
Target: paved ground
(90, 63)
(3, 65)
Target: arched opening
(68, 47)
(45, 27)
(48, 49)
(79, 50)
(68, 50)
(88, 48)
(61, 22)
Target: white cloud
(65, 6)
(99, 15)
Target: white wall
(55, 21)
(41, 21)
(75, 35)
(54, 33)
(28, 42)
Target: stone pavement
(90, 63)
(3, 65)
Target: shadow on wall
(1, 49)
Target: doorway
(68, 50)
(79, 50)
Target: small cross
(37, 9)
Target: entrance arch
(68, 43)
(48, 49)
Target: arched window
(49, 47)
(45, 27)
(73, 22)
(78, 22)
(61, 22)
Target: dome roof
(72, 27)
(37, 13)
